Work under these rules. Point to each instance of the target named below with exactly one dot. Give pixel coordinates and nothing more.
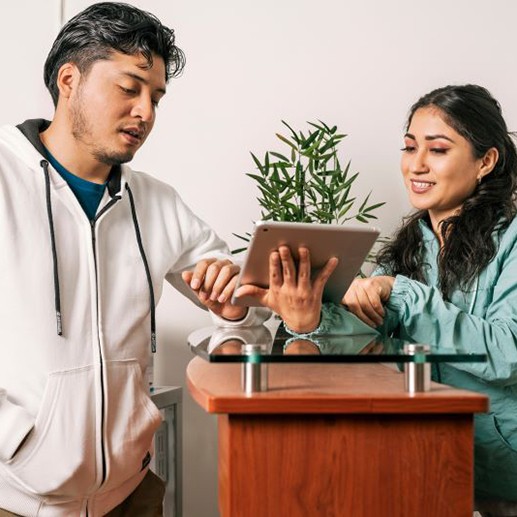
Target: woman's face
(438, 165)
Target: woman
(448, 276)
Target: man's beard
(81, 130)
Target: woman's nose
(418, 163)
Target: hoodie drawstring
(146, 267)
(57, 296)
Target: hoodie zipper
(101, 359)
(44, 164)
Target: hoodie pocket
(131, 421)
(58, 457)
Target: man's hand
(214, 281)
(366, 296)
(291, 293)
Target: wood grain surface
(336, 440)
(323, 388)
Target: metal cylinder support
(417, 374)
(254, 372)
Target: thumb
(251, 290)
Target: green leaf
(314, 146)
(345, 209)
(279, 156)
(349, 181)
(312, 137)
(257, 163)
(324, 125)
(258, 179)
(330, 143)
(286, 141)
(247, 239)
(293, 132)
(321, 128)
(345, 172)
(361, 208)
(373, 207)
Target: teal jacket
(483, 319)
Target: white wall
(359, 65)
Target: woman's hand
(366, 296)
(291, 293)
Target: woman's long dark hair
(469, 235)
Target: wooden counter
(339, 440)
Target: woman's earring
(479, 179)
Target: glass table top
(272, 344)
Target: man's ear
(68, 78)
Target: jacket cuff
(399, 294)
(255, 316)
(16, 425)
(336, 320)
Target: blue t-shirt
(88, 193)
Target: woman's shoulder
(508, 238)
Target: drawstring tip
(59, 325)
(153, 343)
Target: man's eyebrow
(431, 137)
(142, 80)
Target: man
(86, 244)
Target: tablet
(350, 244)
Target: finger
(375, 297)
(275, 273)
(227, 291)
(212, 273)
(365, 298)
(354, 306)
(187, 276)
(304, 267)
(324, 274)
(362, 298)
(227, 274)
(199, 273)
(288, 267)
(369, 293)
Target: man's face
(113, 109)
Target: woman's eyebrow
(430, 137)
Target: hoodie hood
(32, 128)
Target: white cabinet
(167, 460)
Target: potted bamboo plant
(307, 182)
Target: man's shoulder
(140, 179)
(151, 187)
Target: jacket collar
(33, 127)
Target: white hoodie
(80, 397)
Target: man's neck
(71, 154)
